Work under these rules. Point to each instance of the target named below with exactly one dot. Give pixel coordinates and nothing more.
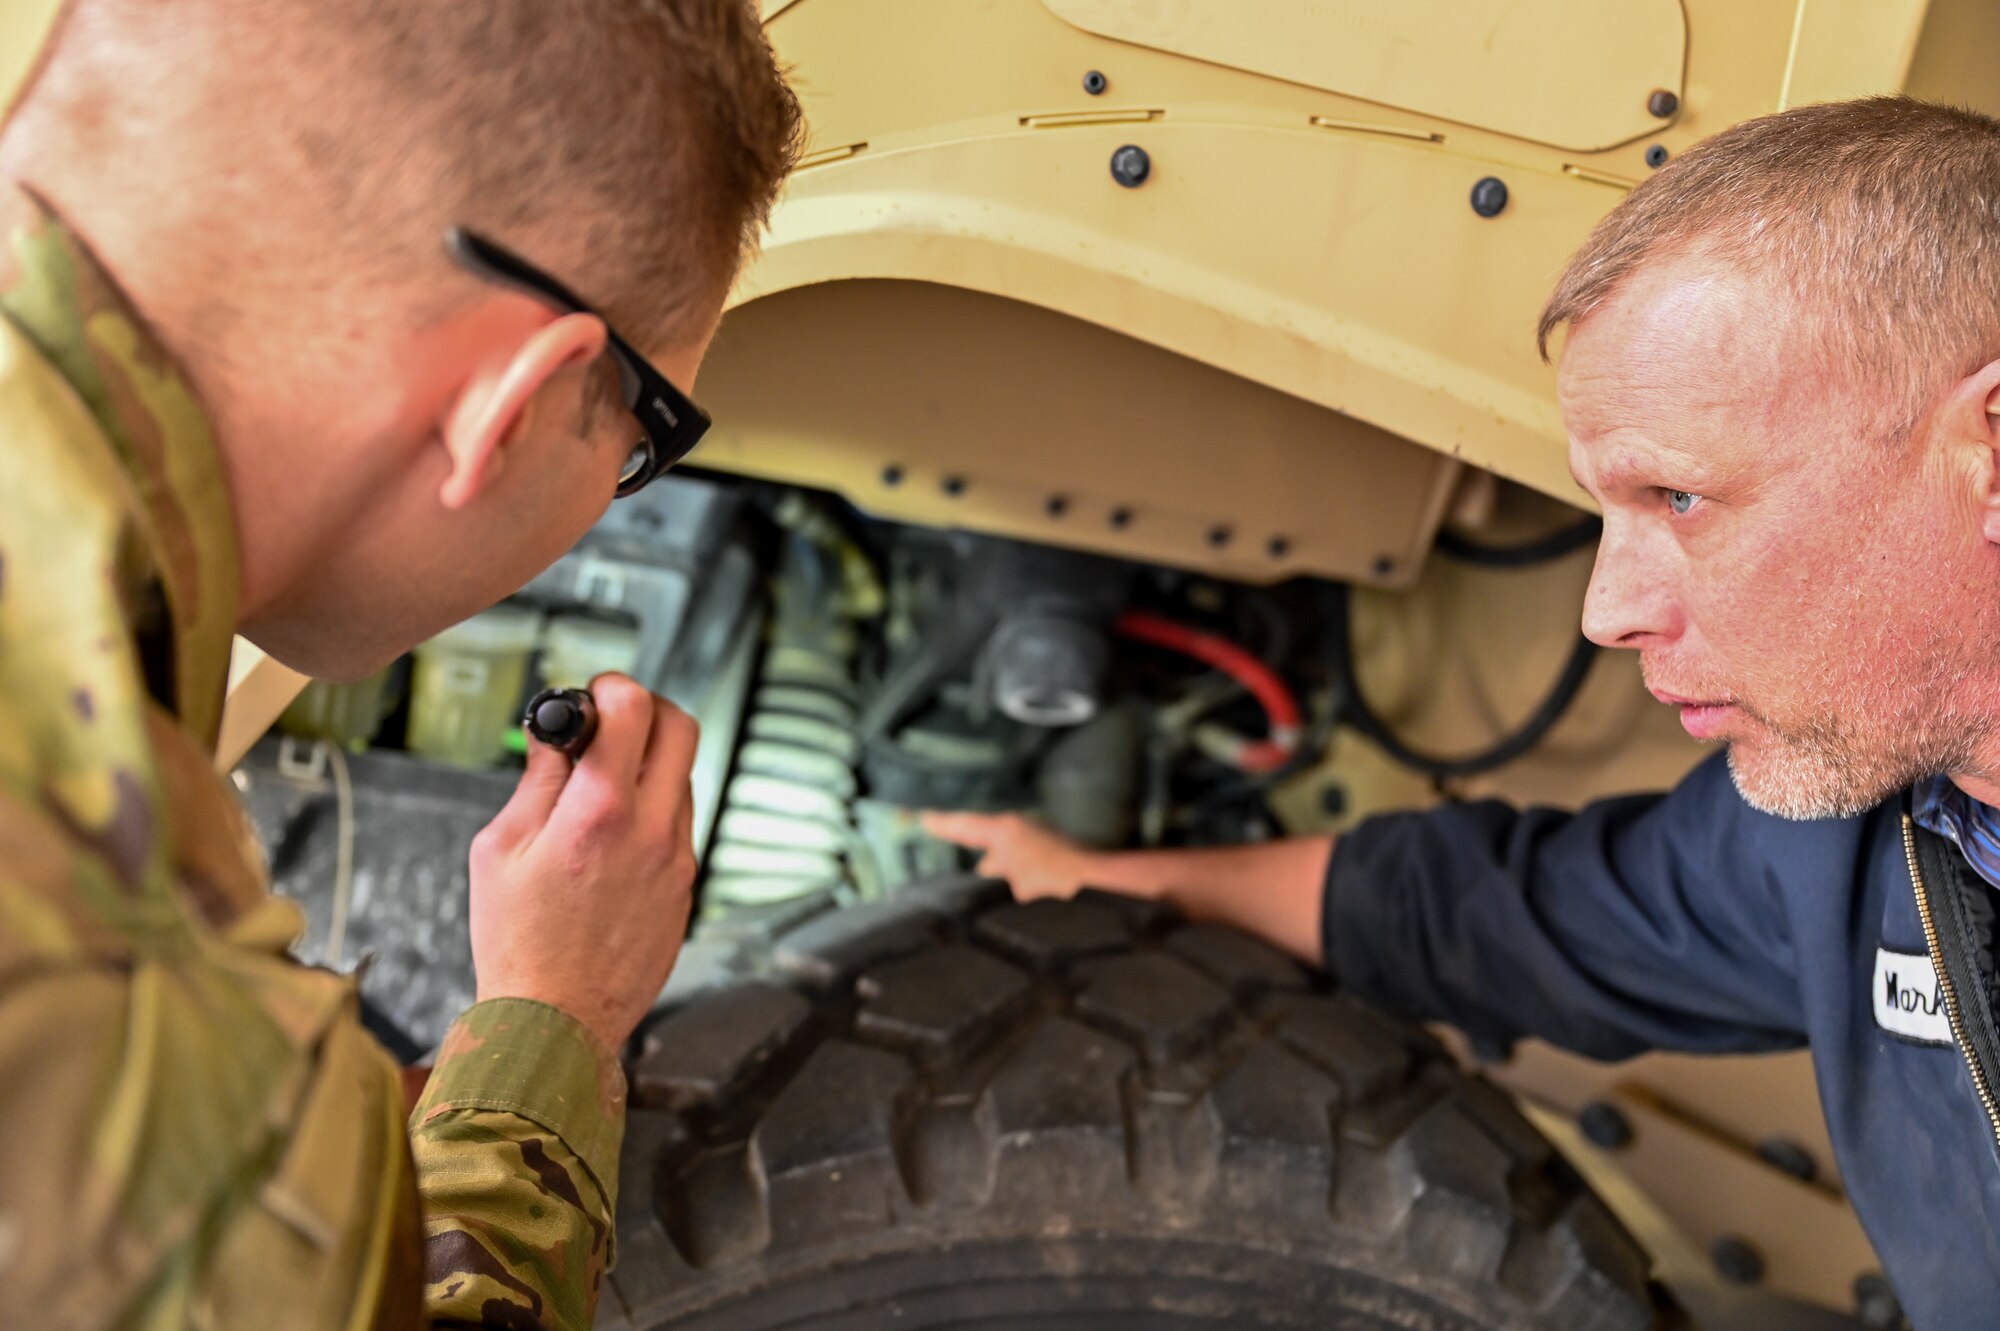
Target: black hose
(1553, 546)
(1363, 719)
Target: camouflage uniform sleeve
(516, 1144)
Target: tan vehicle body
(1296, 348)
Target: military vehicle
(1134, 417)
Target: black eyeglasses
(670, 423)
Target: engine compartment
(849, 671)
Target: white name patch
(1909, 1001)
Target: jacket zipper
(1951, 1007)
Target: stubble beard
(1893, 727)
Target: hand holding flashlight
(582, 885)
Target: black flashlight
(563, 719)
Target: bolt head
(1737, 1260)
(1786, 1155)
(1489, 196)
(1056, 506)
(1604, 1125)
(1095, 83)
(1121, 518)
(892, 475)
(1656, 156)
(1220, 535)
(954, 486)
(1876, 1303)
(1131, 166)
(1662, 103)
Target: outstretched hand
(1036, 861)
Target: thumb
(534, 799)
(977, 830)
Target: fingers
(668, 760)
(609, 769)
(978, 831)
(535, 797)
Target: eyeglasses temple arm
(483, 258)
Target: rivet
(1489, 196)
(892, 475)
(1604, 1125)
(1056, 506)
(1656, 156)
(1121, 518)
(954, 486)
(1131, 165)
(1095, 83)
(1662, 103)
(1737, 1260)
(1220, 535)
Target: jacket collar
(183, 583)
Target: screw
(1737, 1260)
(1220, 535)
(1121, 518)
(1279, 547)
(1489, 196)
(1095, 83)
(954, 486)
(1333, 799)
(1782, 1153)
(1662, 103)
(1131, 165)
(1604, 1125)
(1656, 156)
(1056, 506)
(1876, 1303)
(892, 475)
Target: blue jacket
(1690, 921)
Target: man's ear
(493, 402)
(1972, 419)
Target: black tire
(948, 1110)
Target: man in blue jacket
(1782, 384)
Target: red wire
(1281, 709)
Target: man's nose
(1630, 602)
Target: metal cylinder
(1048, 667)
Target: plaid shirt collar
(1973, 827)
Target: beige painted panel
(1570, 73)
(1851, 48)
(260, 688)
(1317, 242)
(1812, 1244)
(1814, 1249)
(1745, 1099)
(1956, 58)
(24, 26)
(955, 409)
(1368, 286)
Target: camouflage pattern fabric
(194, 1130)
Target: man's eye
(1680, 501)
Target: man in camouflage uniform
(205, 426)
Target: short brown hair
(1881, 215)
(634, 147)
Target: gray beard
(1827, 770)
